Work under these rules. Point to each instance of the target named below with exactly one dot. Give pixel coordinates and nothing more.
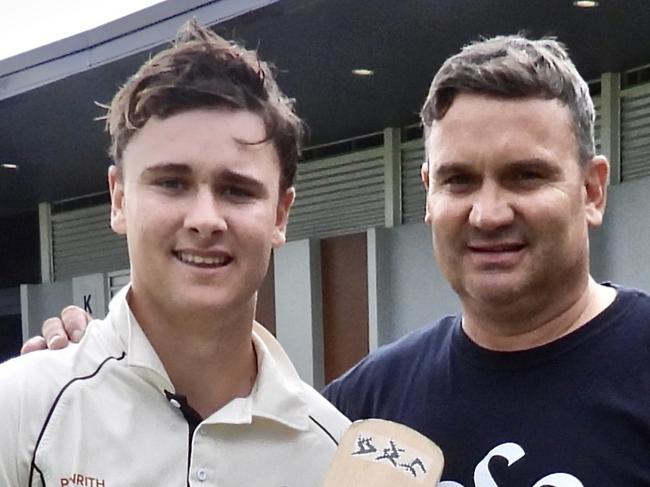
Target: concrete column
(378, 285)
(392, 177)
(610, 123)
(45, 234)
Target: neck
(507, 328)
(211, 360)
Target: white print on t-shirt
(512, 452)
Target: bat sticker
(377, 448)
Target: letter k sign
(89, 293)
(87, 307)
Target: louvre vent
(597, 124)
(635, 132)
(339, 195)
(83, 243)
(413, 194)
(341, 147)
(117, 280)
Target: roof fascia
(123, 37)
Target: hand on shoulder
(59, 332)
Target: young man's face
(200, 204)
(508, 201)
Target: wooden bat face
(378, 453)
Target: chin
(494, 296)
(496, 290)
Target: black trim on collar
(324, 429)
(193, 419)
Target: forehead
(203, 139)
(479, 127)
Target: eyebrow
(225, 177)
(445, 169)
(442, 170)
(168, 167)
(542, 165)
(239, 179)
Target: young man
(178, 385)
(544, 379)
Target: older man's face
(507, 200)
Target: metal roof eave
(120, 38)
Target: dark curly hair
(203, 70)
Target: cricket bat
(380, 453)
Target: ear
(424, 175)
(282, 217)
(596, 177)
(116, 187)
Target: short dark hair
(203, 70)
(512, 67)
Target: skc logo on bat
(381, 453)
(377, 448)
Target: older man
(544, 378)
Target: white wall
(41, 301)
(621, 249)
(411, 290)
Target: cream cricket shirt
(104, 414)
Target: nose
(205, 216)
(491, 208)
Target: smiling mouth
(203, 260)
(497, 256)
(496, 248)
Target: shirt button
(201, 474)
(175, 403)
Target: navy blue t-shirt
(575, 412)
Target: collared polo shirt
(105, 414)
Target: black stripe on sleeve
(41, 475)
(51, 411)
